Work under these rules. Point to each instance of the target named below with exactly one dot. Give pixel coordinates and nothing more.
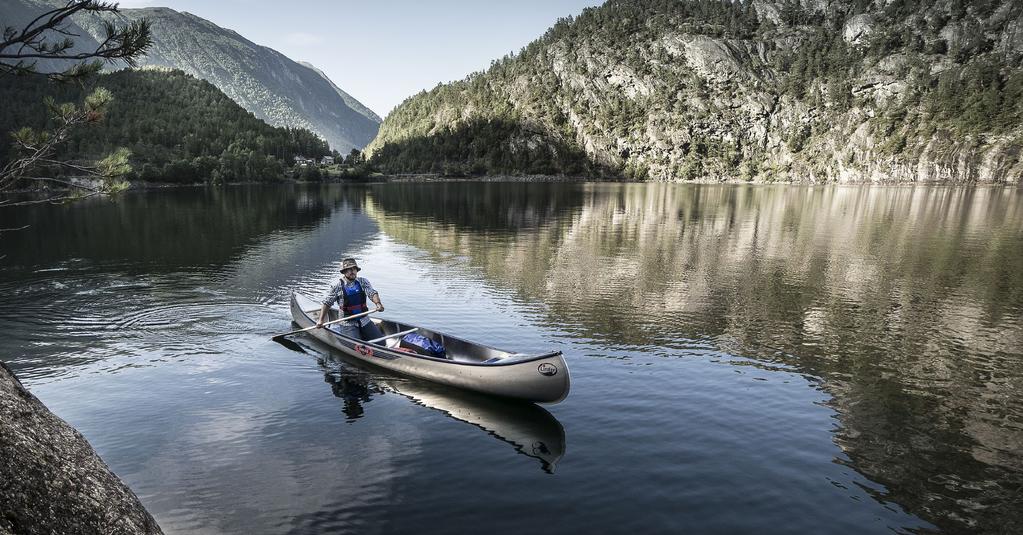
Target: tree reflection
(907, 301)
(182, 227)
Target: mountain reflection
(907, 302)
(532, 430)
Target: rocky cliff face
(51, 480)
(760, 90)
(274, 88)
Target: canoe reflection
(531, 429)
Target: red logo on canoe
(364, 350)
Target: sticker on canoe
(364, 350)
(547, 369)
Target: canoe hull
(540, 378)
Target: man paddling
(351, 293)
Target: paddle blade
(290, 344)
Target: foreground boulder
(51, 480)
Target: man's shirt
(336, 295)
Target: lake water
(744, 359)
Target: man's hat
(349, 263)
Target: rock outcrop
(51, 480)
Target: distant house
(302, 161)
(327, 160)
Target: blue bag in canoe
(423, 345)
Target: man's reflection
(354, 390)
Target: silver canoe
(542, 378)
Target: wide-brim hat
(349, 263)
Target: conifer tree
(48, 37)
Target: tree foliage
(176, 127)
(48, 37)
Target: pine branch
(38, 148)
(125, 43)
(89, 170)
(51, 200)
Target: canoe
(541, 378)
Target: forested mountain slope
(178, 128)
(760, 90)
(273, 87)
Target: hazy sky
(383, 51)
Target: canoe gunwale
(541, 378)
(510, 361)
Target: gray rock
(51, 480)
(858, 28)
(767, 10)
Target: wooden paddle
(280, 338)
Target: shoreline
(437, 178)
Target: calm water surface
(744, 359)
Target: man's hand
(380, 307)
(319, 324)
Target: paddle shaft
(346, 318)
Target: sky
(383, 51)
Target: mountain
(760, 90)
(349, 100)
(178, 128)
(273, 87)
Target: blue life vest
(353, 299)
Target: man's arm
(371, 293)
(323, 315)
(376, 300)
(328, 300)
